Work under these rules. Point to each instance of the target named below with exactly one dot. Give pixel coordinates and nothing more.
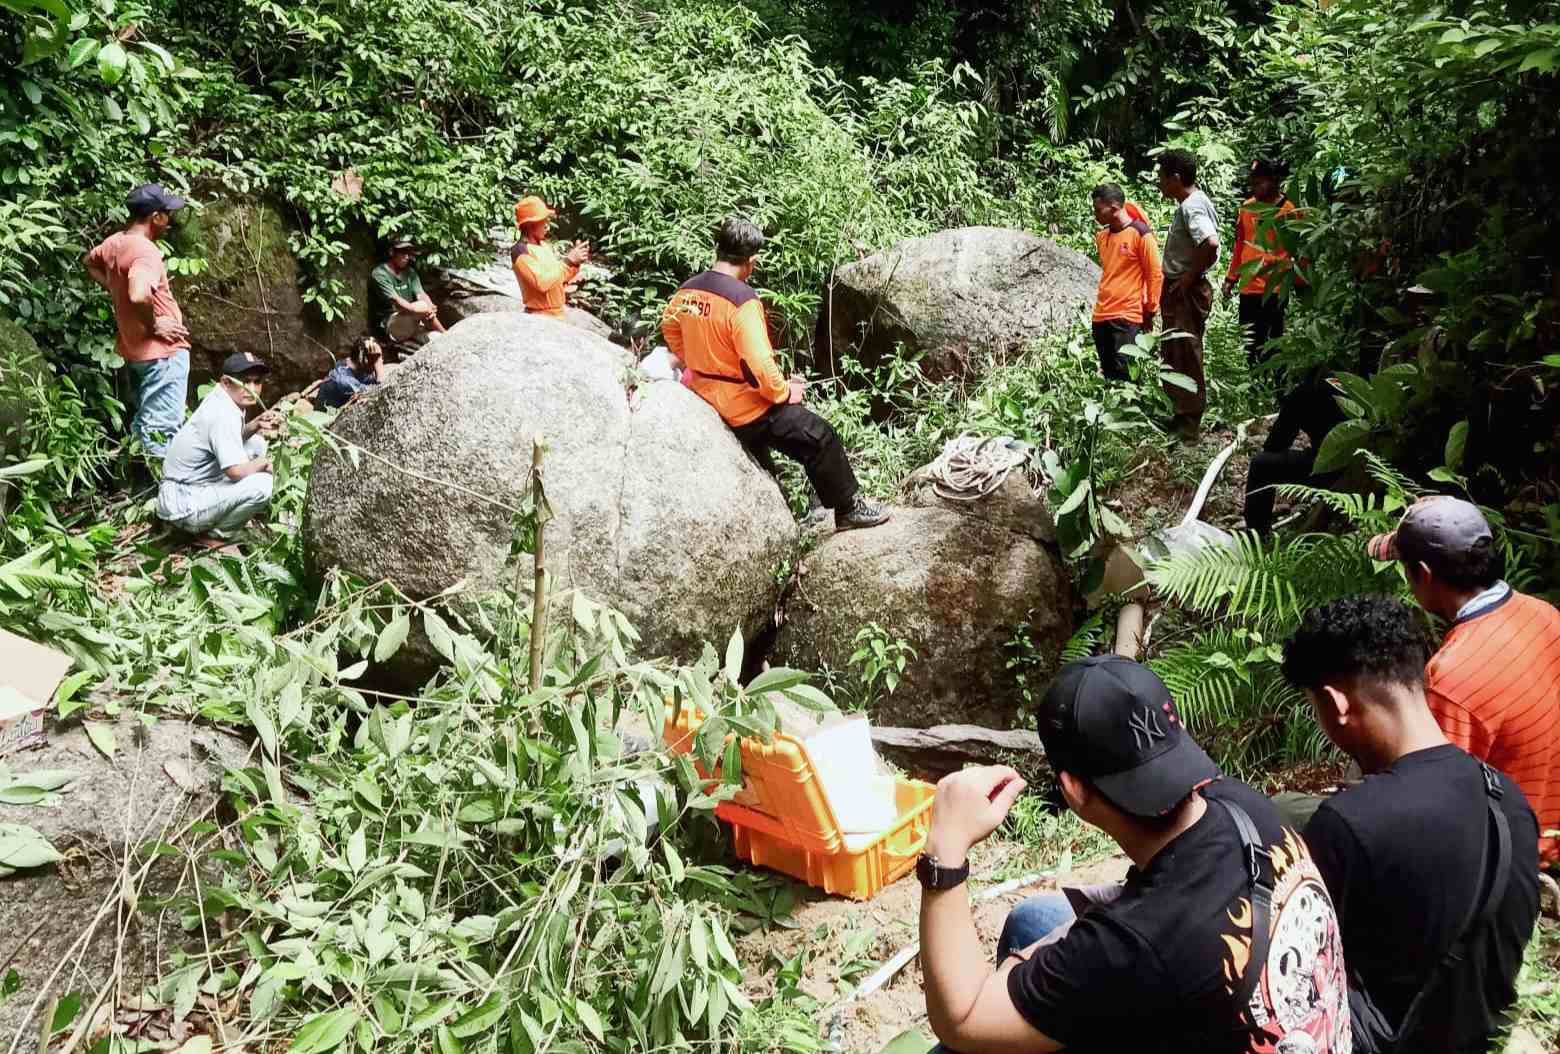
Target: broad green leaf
(479, 1018)
(734, 656)
(357, 850)
(776, 679)
(111, 61)
(163, 58)
(102, 736)
(32, 91)
(22, 847)
(65, 1012)
(590, 1019)
(911, 1042)
(1338, 448)
(265, 728)
(392, 636)
(324, 1032)
(1456, 445)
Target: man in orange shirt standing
(544, 276)
(152, 339)
(1130, 277)
(1260, 261)
(1494, 686)
(715, 324)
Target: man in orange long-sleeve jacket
(1130, 277)
(715, 324)
(544, 276)
(1259, 261)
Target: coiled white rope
(970, 467)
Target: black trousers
(1110, 337)
(1262, 317)
(1268, 470)
(809, 440)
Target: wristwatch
(935, 876)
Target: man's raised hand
(968, 807)
(578, 253)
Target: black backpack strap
(1260, 880)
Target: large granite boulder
(958, 589)
(959, 299)
(249, 299)
(658, 511)
(162, 778)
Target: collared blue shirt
(1484, 601)
(342, 383)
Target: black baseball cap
(1441, 531)
(240, 363)
(1119, 730)
(151, 197)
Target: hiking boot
(862, 513)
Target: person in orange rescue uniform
(1259, 261)
(715, 324)
(1130, 277)
(544, 276)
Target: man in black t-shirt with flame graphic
(1221, 940)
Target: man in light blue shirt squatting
(216, 475)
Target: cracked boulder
(959, 301)
(657, 510)
(986, 610)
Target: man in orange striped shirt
(1494, 686)
(715, 324)
(1260, 261)
(1130, 277)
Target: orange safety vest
(1247, 248)
(542, 275)
(715, 324)
(1130, 271)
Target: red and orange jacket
(1130, 272)
(1247, 249)
(716, 325)
(543, 276)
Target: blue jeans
(1029, 921)
(161, 393)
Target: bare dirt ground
(1163, 476)
(842, 942)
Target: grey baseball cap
(1435, 530)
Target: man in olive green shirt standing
(399, 308)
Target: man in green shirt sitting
(400, 309)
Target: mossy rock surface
(21, 363)
(249, 298)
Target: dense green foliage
(1424, 149)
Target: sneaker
(862, 513)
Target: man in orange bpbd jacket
(1260, 260)
(544, 276)
(1130, 277)
(715, 324)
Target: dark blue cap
(151, 197)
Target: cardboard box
(29, 675)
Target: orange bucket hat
(532, 208)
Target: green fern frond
(1397, 484)
(1268, 583)
(1085, 641)
(1363, 511)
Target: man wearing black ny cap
(1222, 938)
(152, 338)
(1494, 686)
(216, 475)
